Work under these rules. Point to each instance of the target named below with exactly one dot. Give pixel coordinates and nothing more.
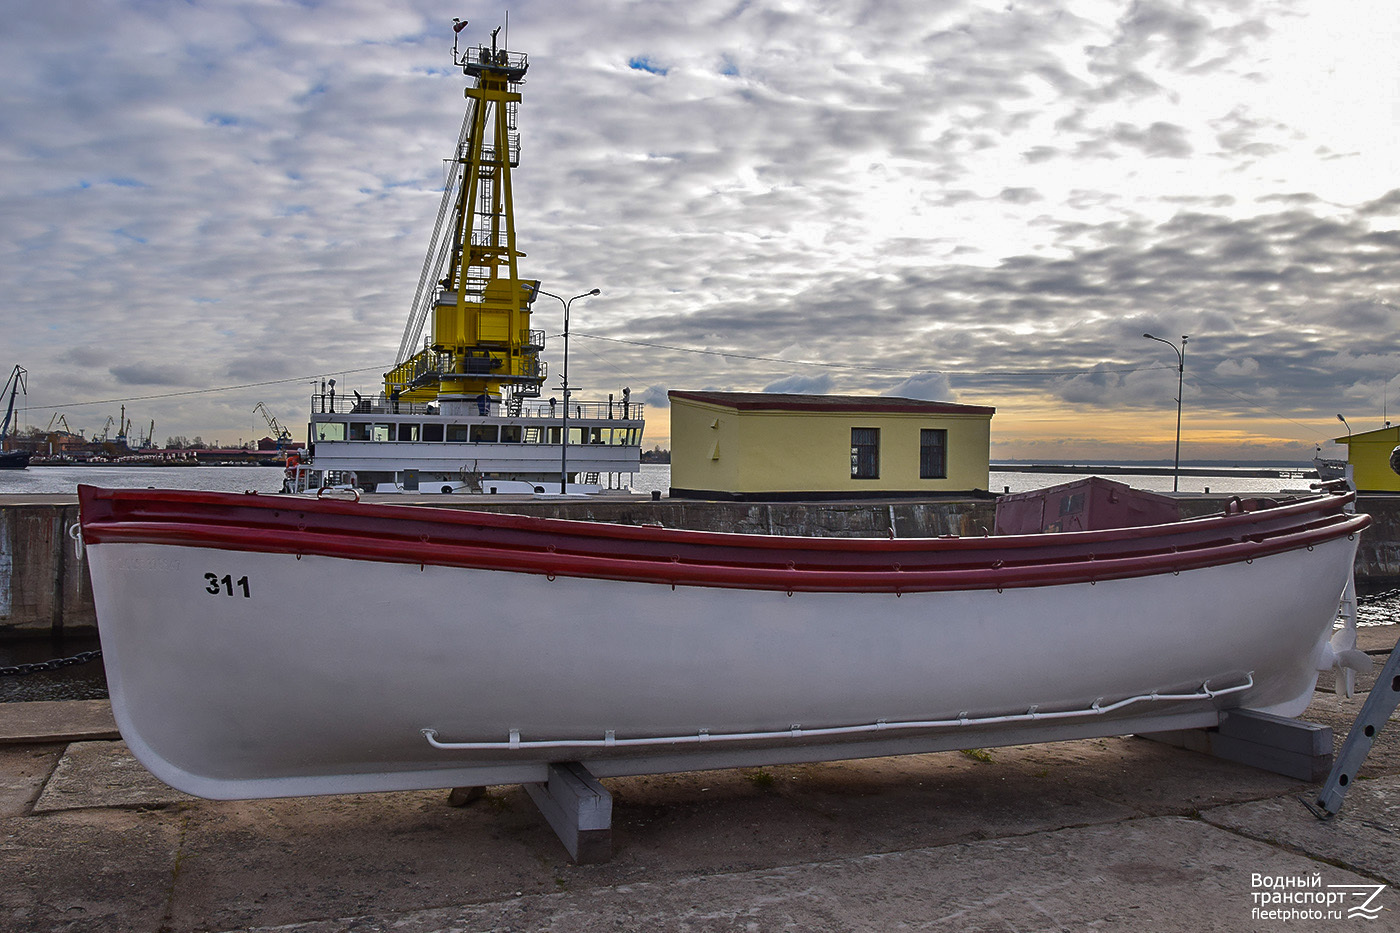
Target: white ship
(463, 410)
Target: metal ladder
(1375, 712)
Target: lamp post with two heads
(1180, 375)
(564, 425)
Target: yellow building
(1369, 456)
(750, 445)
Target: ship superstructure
(463, 409)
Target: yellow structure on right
(753, 445)
(1369, 456)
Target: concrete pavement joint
(39, 788)
(1312, 856)
(1271, 835)
(176, 864)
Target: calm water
(653, 476)
(1222, 484)
(61, 479)
(214, 478)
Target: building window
(865, 453)
(933, 453)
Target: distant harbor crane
(279, 433)
(12, 459)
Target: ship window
(865, 453)
(330, 430)
(483, 433)
(933, 453)
(432, 432)
(553, 436)
(408, 432)
(359, 431)
(456, 432)
(575, 435)
(381, 432)
(510, 434)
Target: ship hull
(299, 658)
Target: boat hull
(239, 672)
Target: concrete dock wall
(45, 591)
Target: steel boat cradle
(265, 646)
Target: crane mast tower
(480, 344)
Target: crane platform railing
(325, 403)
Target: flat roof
(781, 401)
(1375, 435)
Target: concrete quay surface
(1101, 834)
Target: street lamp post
(564, 425)
(1180, 375)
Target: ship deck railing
(337, 404)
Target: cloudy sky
(210, 204)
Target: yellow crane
(481, 343)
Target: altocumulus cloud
(973, 200)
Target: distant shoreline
(1265, 472)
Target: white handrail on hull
(610, 739)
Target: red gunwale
(525, 544)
